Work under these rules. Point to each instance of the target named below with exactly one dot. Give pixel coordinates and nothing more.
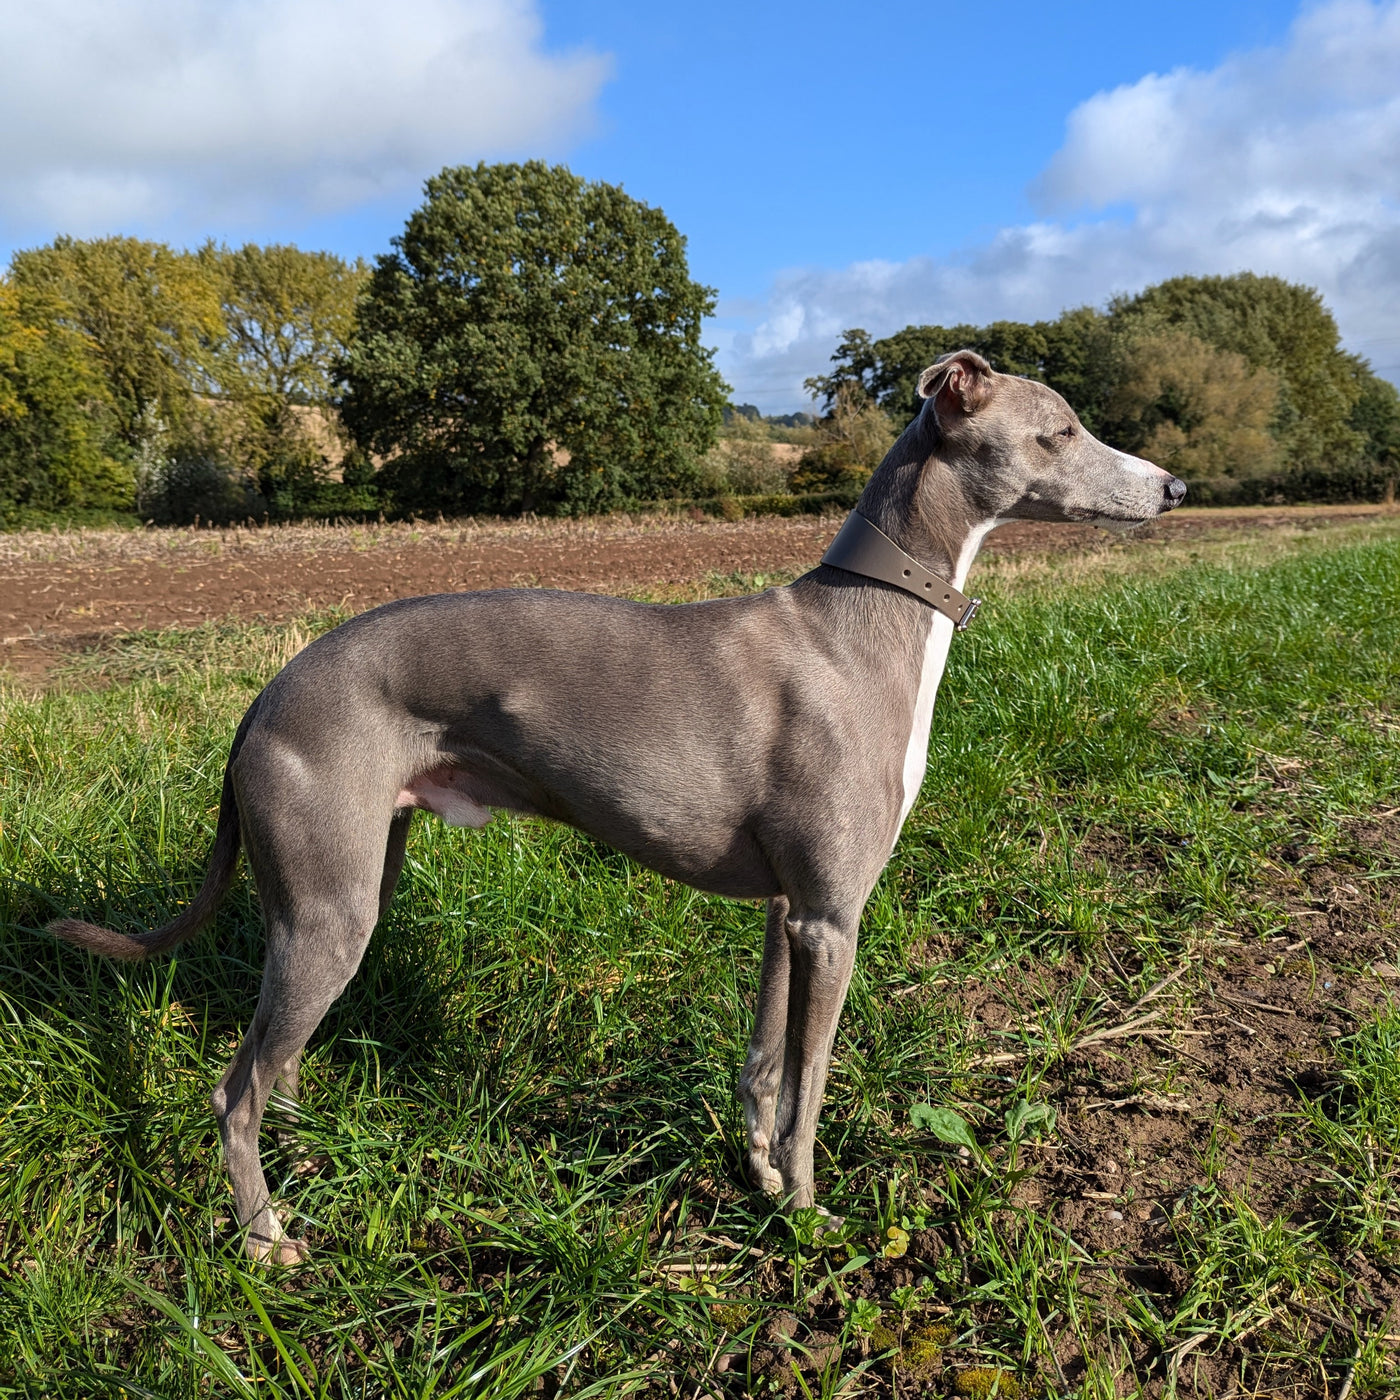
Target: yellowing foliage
(1203, 412)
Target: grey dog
(765, 747)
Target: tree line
(136, 376)
(1237, 384)
(531, 342)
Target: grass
(519, 1160)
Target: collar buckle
(965, 621)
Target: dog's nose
(1174, 493)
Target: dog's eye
(1065, 432)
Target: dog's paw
(282, 1252)
(290, 1251)
(766, 1177)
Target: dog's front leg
(763, 1070)
(821, 953)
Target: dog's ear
(960, 382)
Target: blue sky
(818, 134)
(831, 165)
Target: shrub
(1364, 483)
(855, 435)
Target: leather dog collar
(862, 548)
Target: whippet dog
(765, 747)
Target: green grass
(1358, 1129)
(519, 1119)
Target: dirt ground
(63, 590)
(1221, 1051)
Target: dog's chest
(935, 658)
(936, 645)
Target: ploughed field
(1115, 1105)
(59, 590)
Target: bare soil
(1240, 1038)
(60, 591)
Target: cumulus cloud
(1283, 160)
(150, 110)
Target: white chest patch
(940, 638)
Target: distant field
(1141, 933)
(65, 590)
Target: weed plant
(519, 1130)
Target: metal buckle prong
(969, 613)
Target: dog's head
(1021, 452)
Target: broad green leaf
(1023, 1118)
(945, 1125)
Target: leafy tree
(1073, 355)
(532, 343)
(288, 317)
(288, 320)
(1263, 338)
(1275, 325)
(57, 447)
(1376, 417)
(1195, 410)
(152, 317)
(857, 363)
(1081, 362)
(209, 373)
(886, 371)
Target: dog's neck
(918, 499)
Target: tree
(1376, 417)
(857, 363)
(1328, 415)
(57, 447)
(1072, 355)
(1081, 362)
(1197, 411)
(887, 371)
(1275, 325)
(288, 318)
(152, 317)
(532, 343)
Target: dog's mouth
(1108, 519)
(1118, 524)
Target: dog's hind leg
(319, 882)
(821, 951)
(763, 1069)
(309, 962)
(286, 1093)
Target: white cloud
(178, 111)
(1283, 160)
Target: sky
(831, 165)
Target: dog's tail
(188, 922)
